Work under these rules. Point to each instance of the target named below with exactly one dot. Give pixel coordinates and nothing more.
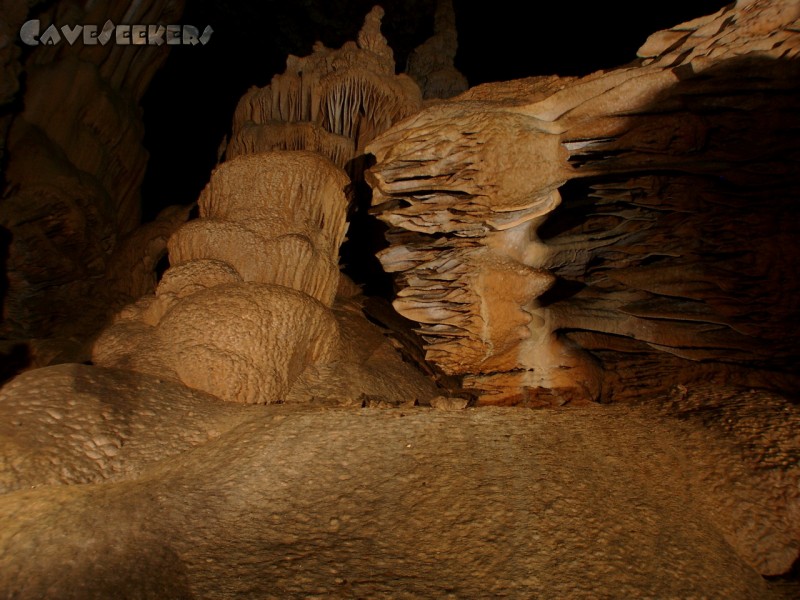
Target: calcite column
(465, 192)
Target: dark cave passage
(365, 237)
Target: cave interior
(425, 299)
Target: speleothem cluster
(332, 102)
(536, 220)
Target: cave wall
(74, 165)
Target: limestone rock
(185, 279)
(449, 403)
(246, 342)
(431, 64)
(746, 448)
(274, 217)
(366, 364)
(557, 239)
(132, 267)
(387, 503)
(71, 424)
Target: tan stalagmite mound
(299, 216)
(333, 102)
(244, 308)
(609, 206)
(431, 64)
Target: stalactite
(332, 101)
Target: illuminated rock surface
(559, 239)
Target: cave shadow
(17, 356)
(6, 238)
(366, 236)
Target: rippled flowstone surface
(290, 502)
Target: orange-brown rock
(180, 496)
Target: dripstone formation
(559, 238)
(333, 102)
(244, 308)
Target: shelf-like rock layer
(644, 211)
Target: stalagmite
(244, 307)
(431, 64)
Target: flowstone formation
(244, 307)
(563, 239)
(333, 102)
(194, 499)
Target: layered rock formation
(537, 219)
(75, 165)
(333, 102)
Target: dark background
(190, 104)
